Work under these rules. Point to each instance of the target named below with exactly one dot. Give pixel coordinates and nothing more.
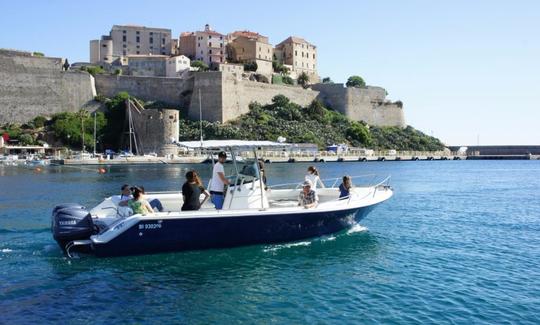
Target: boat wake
(278, 247)
(356, 228)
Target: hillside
(312, 124)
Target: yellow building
(299, 54)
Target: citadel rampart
(224, 96)
(32, 86)
(362, 104)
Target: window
(151, 40)
(295, 53)
(138, 52)
(138, 32)
(259, 48)
(138, 46)
(201, 52)
(104, 45)
(313, 55)
(163, 53)
(210, 51)
(220, 44)
(124, 31)
(198, 44)
(209, 36)
(221, 37)
(123, 38)
(138, 39)
(209, 44)
(259, 56)
(124, 52)
(151, 47)
(106, 59)
(302, 54)
(163, 41)
(124, 45)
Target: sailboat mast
(129, 124)
(200, 114)
(95, 127)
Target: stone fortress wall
(32, 86)
(362, 104)
(156, 130)
(224, 96)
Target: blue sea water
(459, 243)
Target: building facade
(125, 40)
(246, 46)
(207, 46)
(300, 55)
(177, 66)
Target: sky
(468, 72)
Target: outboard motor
(71, 222)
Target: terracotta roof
(295, 39)
(247, 33)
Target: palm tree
(303, 79)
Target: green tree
(287, 80)
(38, 54)
(39, 121)
(356, 81)
(26, 139)
(316, 110)
(94, 70)
(303, 79)
(358, 133)
(200, 65)
(251, 66)
(327, 80)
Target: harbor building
(207, 46)
(125, 40)
(299, 55)
(246, 47)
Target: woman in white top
(313, 177)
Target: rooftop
(295, 39)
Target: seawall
(32, 86)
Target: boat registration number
(150, 226)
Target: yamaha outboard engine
(71, 221)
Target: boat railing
(334, 182)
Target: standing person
(308, 198)
(313, 177)
(345, 187)
(138, 203)
(192, 190)
(262, 171)
(218, 182)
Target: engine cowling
(71, 222)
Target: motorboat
(253, 213)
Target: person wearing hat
(308, 198)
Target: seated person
(138, 204)
(192, 190)
(308, 197)
(345, 187)
(155, 203)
